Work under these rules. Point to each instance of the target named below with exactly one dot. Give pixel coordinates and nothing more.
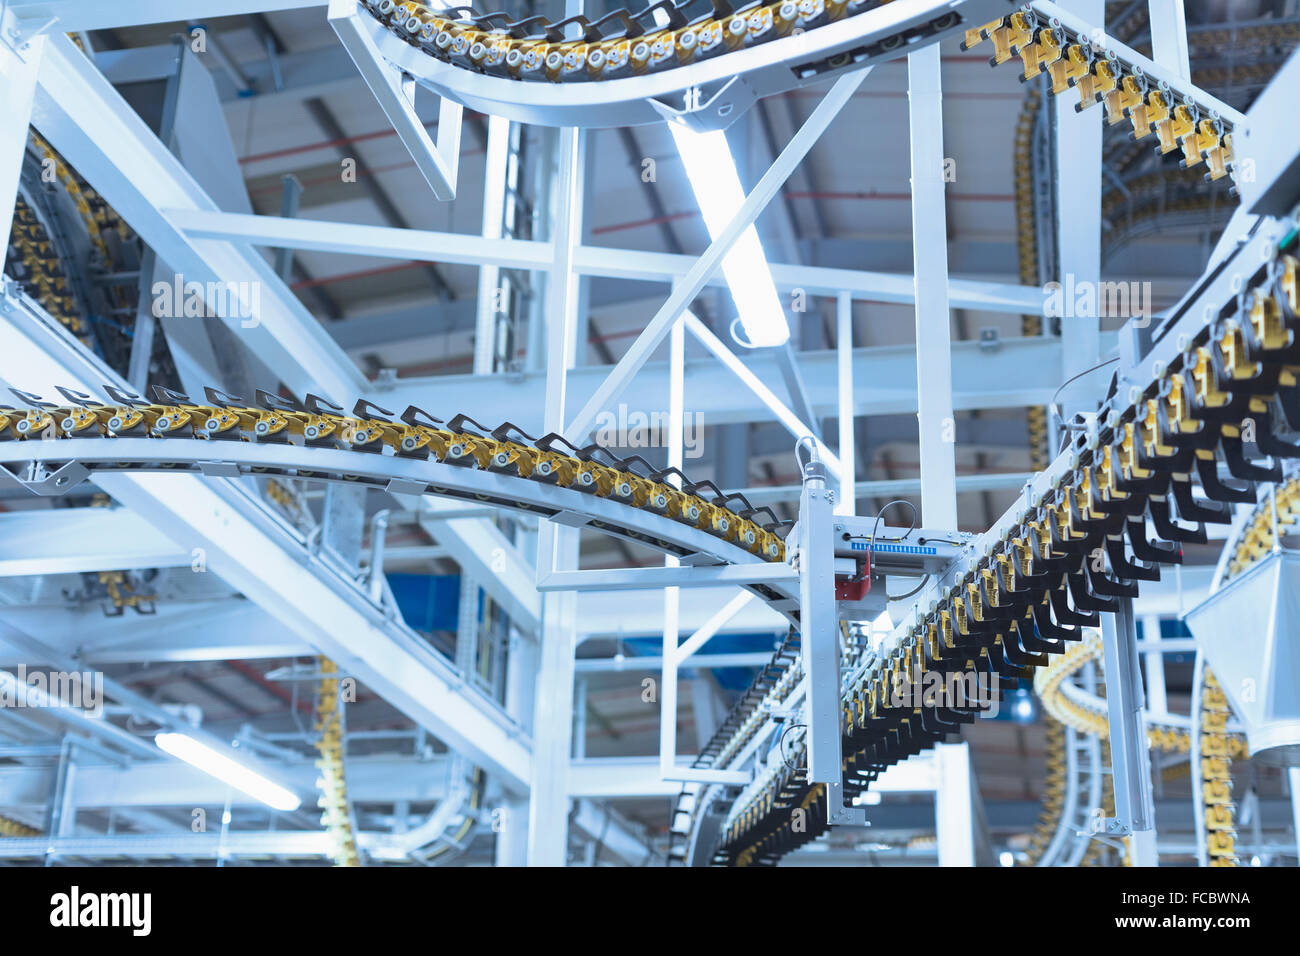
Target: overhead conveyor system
(297, 470)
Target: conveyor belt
(530, 71)
(1077, 540)
(50, 448)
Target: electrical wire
(1072, 378)
(916, 590)
(781, 746)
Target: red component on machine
(856, 587)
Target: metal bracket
(52, 484)
(838, 813)
(219, 469)
(711, 106)
(395, 91)
(17, 33)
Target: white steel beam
(167, 783)
(954, 805)
(72, 540)
(219, 629)
(671, 576)
(816, 280)
(489, 273)
(350, 238)
(1018, 372)
(892, 487)
(712, 626)
(557, 546)
(236, 629)
(730, 360)
(77, 15)
(844, 383)
(1078, 197)
(595, 261)
(938, 430)
(1169, 36)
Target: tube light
(184, 747)
(712, 172)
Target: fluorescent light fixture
(713, 176)
(184, 747)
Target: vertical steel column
(494, 198)
(1130, 759)
(930, 265)
(954, 809)
(510, 817)
(672, 596)
(935, 420)
(1078, 203)
(820, 633)
(847, 503)
(548, 807)
(18, 66)
(1169, 36)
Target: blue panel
(428, 602)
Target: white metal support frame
(395, 91)
(698, 276)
